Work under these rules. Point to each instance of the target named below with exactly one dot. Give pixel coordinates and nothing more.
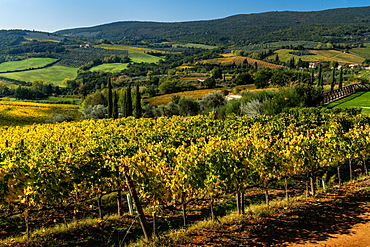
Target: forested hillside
(336, 25)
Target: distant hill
(347, 25)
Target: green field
(25, 64)
(55, 74)
(112, 67)
(139, 57)
(360, 99)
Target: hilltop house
(85, 46)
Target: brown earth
(340, 217)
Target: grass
(77, 233)
(111, 67)
(25, 64)
(54, 74)
(255, 213)
(139, 57)
(360, 99)
(62, 98)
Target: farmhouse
(202, 79)
(85, 46)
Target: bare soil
(340, 217)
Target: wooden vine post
(135, 198)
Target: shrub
(251, 108)
(59, 118)
(188, 106)
(212, 101)
(95, 111)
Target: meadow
(112, 67)
(138, 57)
(25, 64)
(55, 74)
(360, 99)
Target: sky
(54, 15)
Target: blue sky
(53, 15)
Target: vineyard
(170, 163)
(238, 60)
(14, 113)
(319, 55)
(77, 57)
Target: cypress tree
(110, 99)
(115, 105)
(124, 109)
(312, 77)
(138, 109)
(340, 83)
(319, 76)
(332, 80)
(128, 101)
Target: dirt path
(359, 235)
(338, 218)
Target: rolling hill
(335, 25)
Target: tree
(168, 86)
(333, 80)
(23, 93)
(243, 78)
(128, 101)
(213, 100)
(217, 73)
(209, 82)
(110, 99)
(340, 83)
(188, 106)
(319, 77)
(115, 105)
(138, 109)
(262, 77)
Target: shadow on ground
(313, 219)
